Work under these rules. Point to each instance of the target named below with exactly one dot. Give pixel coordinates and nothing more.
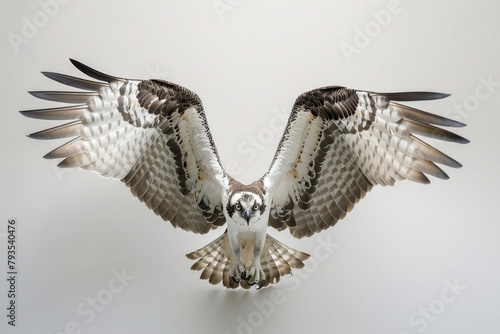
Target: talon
(251, 274)
(261, 285)
(256, 276)
(235, 272)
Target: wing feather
(339, 143)
(150, 134)
(75, 82)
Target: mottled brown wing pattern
(152, 135)
(341, 185)
(339, 143)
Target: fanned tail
(214, 261)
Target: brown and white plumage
(339, 143)
(154, 137)
(277, 260)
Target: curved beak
(247, 214)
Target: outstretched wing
(150, 134)
(339, 143)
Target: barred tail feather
(214, 261)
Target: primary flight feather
(153, 136)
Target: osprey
(153, 136)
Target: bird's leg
(237, 267)
(255, 273)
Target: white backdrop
(409, 259)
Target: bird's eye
(255, 207)
(237, 207)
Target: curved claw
(237, 272)
(256, 275)
(261, 285)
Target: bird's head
(245, 207)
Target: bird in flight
(153, 136)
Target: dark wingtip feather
(454, 124)
(425, 117)
(440, 174)
(418, 177)
(93, 73)
(457, 124)
(65, 164)
(63, 113)
(68, 149)
(428, 152)
(66, 97)
(62, 131)
(38, 94)
(33, 136)
(52, 75)
(413, 96)
(74, 82)
(438, 96)
(443, 176)
(49, 156)
(462, 140)
(435, 132)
